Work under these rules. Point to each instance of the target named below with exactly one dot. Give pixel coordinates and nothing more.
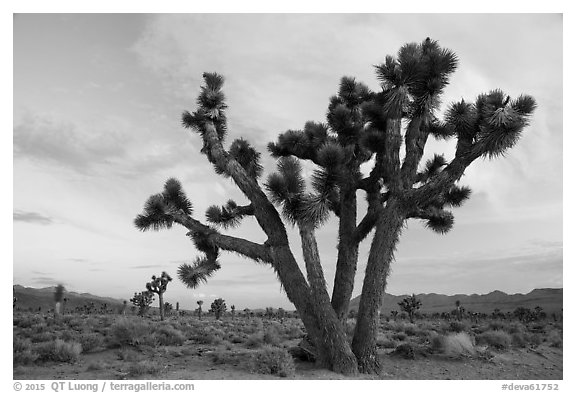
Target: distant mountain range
(44, 297)
(550, 299)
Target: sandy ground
(195, 363)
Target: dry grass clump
(271, 336)
(167, 335)
(23, 353)
(59, 351)
(497, 339)
(144, 367)
(274, 361)
(132, 332)
(454, 344)
(90, 341)
(255, 340)
(554, 339)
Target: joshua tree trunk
(388, 228)
(161, 298)
(347, 255)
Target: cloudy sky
(97, 105)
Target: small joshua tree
(158, 285)
(218, 307)
(233, 310)
(459, 310)
(168, 308)
(200, 303)
(123, 308)
(58, 296)
(142, 300)
(410, 305)
(281, 314)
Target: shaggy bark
(347, 255)
(388, 228)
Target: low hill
(33, 298)
(550, 299)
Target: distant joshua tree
(58, 296)
(158, 285)
(142, 300)
(168, 308)
(281, 314)
(123, 308)
(410, 305)
(218, 307)
(200, 303)
(459, 310)
(233, 310)
(269, 312)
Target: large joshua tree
(363, 126)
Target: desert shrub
(59, 351)
(495, 338)
(293, 332)
(129, 332)
(128, 355)
(237, 339)
(275, 361)
(167, 335)
(255, 340)
(454, 344)
(95, 366)
(29, 320)
(497, 325)
(400, 336)
(23, 353)
(457, 327)
(223, 357)
(90, 341)
(386, 343)
(69, 335)
(519, 340)
(554, 339)
(205, 335)
(534, 339)
(144, 367)
(271, 336)
(410, 329)
(42, 337)
(516, 327)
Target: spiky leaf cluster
(247, 157)
(300, 143)
(159, 208)
(410, 304)
(288, 189)
(345, 116)
(211, 107)
(413, 81)
(227, 216)
(159, 284)
(192, 275)
(493, 124)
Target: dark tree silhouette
(158, 286)
(409, 305)
(142, 300)
(218, 307)
(363, 126)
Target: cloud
(32, 218)
(146, 266)
(47, 280)
(47, 139)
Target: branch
(415, 140)
(258, 252)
